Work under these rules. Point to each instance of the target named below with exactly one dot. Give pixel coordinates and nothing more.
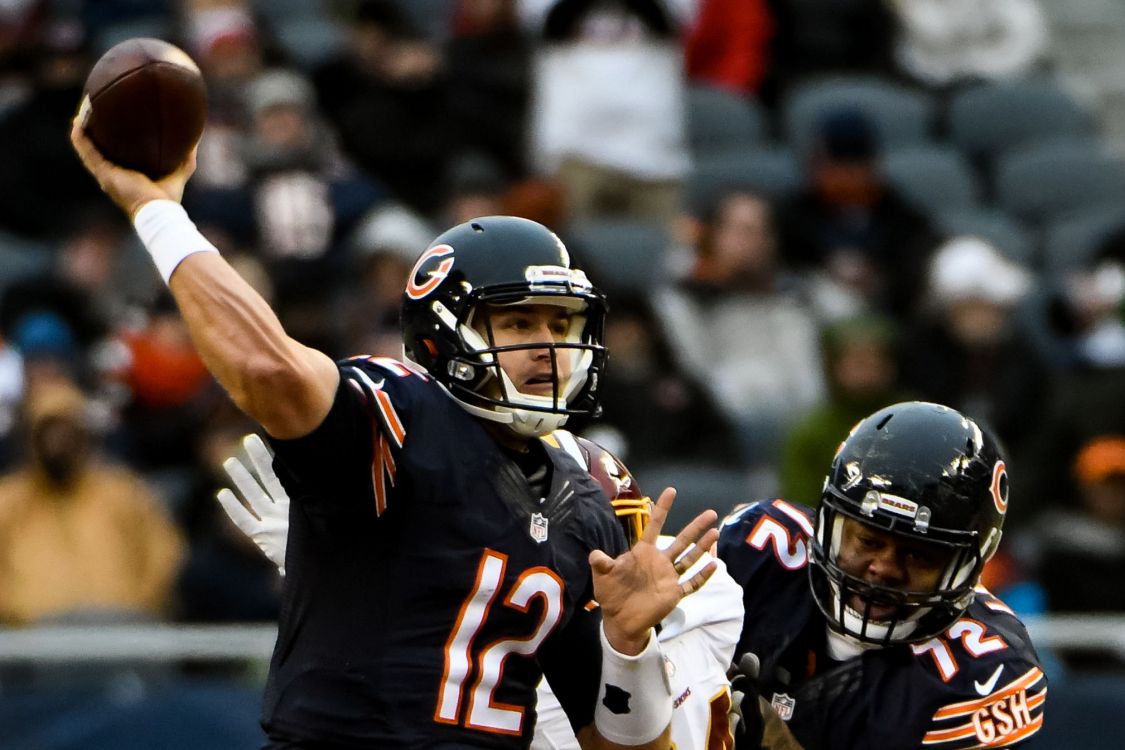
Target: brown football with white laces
(144, 105)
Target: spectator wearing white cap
(1087, 398)
(945, 42)
(967, 349)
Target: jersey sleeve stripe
(993, 602)
(969, 732)
(382, 465)
(374, 394)
(387, 363)
(1032, 676)
(398, 432)
(952, 734)
(801, 519)
(1001, 741)
(1020, 734)
(997, 724)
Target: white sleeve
(716, 609)
(552, 728)
(698, 640)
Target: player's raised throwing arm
(285, 386)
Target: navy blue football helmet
(923, 471)
(503, 260)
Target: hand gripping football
(144, 105)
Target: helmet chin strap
(852, 621)
(529, 423)
(523, 422)
(843, 647)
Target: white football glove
(263, 512)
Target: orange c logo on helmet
(999, 488)
(414, 290)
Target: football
(144, 105)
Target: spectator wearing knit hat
(850, 222)
(1081, 560)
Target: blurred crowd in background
(800, 209)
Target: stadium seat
(157, 27)
(20, 258)
(901, 115)
(622, 255)
(772, 170)
(310, 40)
(934, 178)
(999, 228)
(698, 487)
(280, 10)
(1074, 239)
(1043, 181)
(431, 16)
(719, 120)
(989, 119)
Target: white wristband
(169, 235)
(635, 700)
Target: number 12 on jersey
(464, 658)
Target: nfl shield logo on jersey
(538, 527)
(783, 704)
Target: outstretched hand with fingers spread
(639, 588)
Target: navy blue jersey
(979, 684)
(427, 586)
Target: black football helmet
(923, 471)
(498, 260)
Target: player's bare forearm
(589, 739)
(285, 386)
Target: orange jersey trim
(967, 707)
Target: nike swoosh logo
(986, 688)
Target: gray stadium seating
(901, 115)
(1002, 229)
(619, 254)
(1041, 182)
(992, 118)
(719, 120)
(934, 178)
(772, 170)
